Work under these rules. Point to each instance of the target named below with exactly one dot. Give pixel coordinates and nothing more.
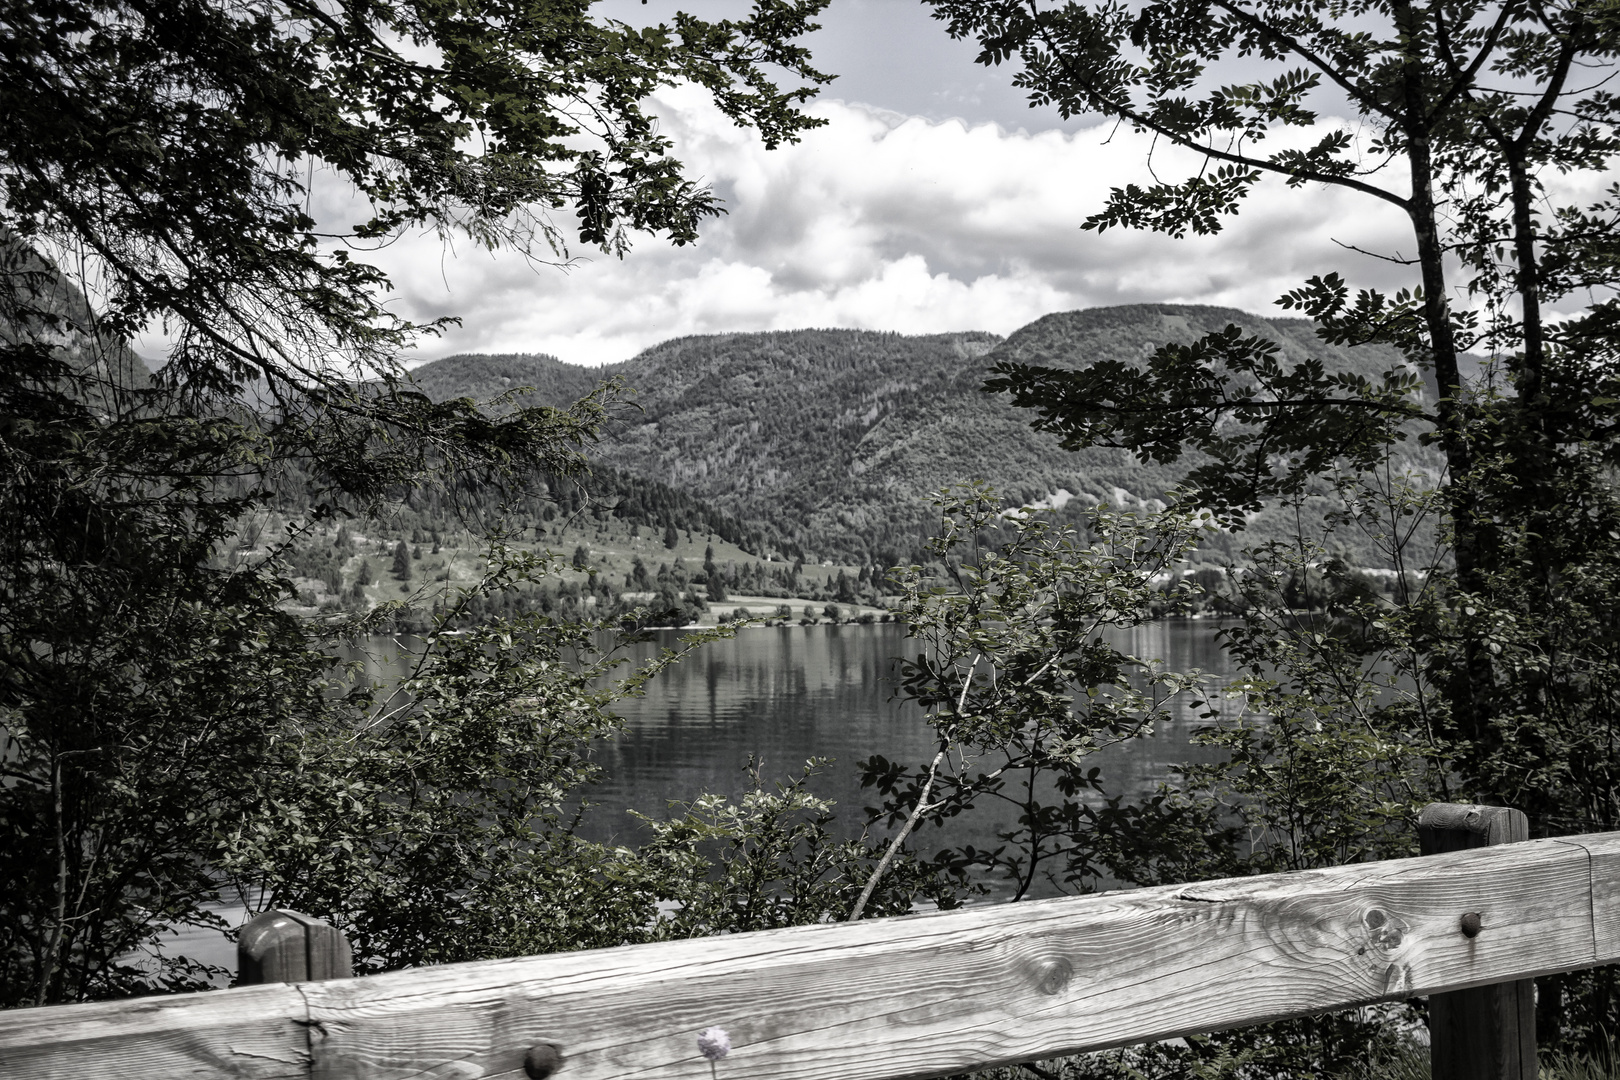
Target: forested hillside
(58, 311)
(834, 438)
(484, 376)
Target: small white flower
(714, 1043)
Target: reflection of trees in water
(786, 694)
(782, 695)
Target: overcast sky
(933, 200)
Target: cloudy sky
(933, 200)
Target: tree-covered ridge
(808, 430)
(1132, 332)
(485, 376)
(638, 499)
(834, 439)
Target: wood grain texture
(1485, 1032)
(287, 946)
(933, 994)
(1605, 858)
(257, 1033)
(936, 994)
(1444, 827)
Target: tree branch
(917, 811)
(1136, 117)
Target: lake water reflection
(784, 694)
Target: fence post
(285, 946)
(1489, 1032)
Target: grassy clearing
(359, 570)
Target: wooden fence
(918, 996)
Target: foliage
(143, 687)
(1329, 747)
(434, 820)
(1598, 1065)
(1320, 763)
(171, 730)
(1392, 1059)
(769, 861)
(1388, 1056)
(173, 137)
(173, 734)
(1475, 682)
(1018, 680)
(1335, 734)
(1266, 430)
(162, 153)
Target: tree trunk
(1468, 690)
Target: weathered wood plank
(1605, 857)
(257, 1033)
(918, 996)
(287, 946)
(1486, 1032)
(936, 994)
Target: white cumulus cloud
(884, 221)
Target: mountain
(835, 438)
(482, 376)
(42, 304)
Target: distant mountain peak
(836, 438)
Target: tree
(844, 589)
(638, 578)
(1016, 673)
(156, 166)
(402, 561)
(1459, 115)
(1017, 681)
(715, 589)
(160, 154)
(671, 537)
(1438, 89)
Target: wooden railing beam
(885, 998)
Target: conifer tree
(402, 561)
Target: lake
(784, 694)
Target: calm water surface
(782, 695)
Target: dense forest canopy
(835, 439)
(171, 730)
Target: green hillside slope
(484, 376)
(834, 438)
